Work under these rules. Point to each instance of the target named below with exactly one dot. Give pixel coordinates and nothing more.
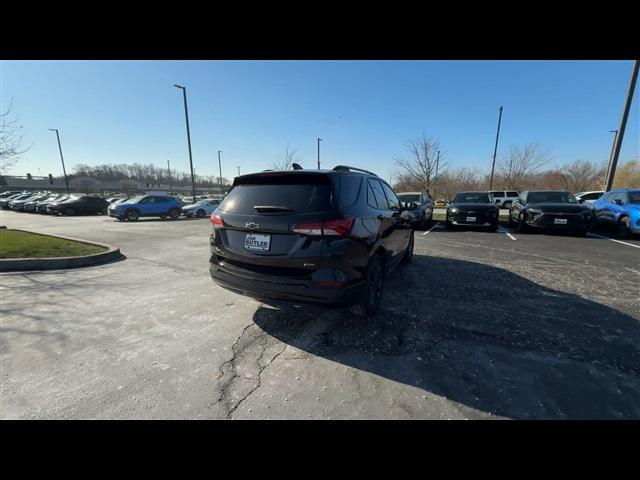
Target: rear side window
(292, 193)
(349, 189)
(512, 194)
(392, 199)
(497, 194)
(161, 199)
(378, 193)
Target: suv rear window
(497, 194)
(297, 192)
(512, 194)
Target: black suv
(310, 236)
(550, 209)
(472, 209)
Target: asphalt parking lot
(481, 325)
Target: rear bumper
(284, 289)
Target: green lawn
(15, 244)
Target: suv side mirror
(617, 201)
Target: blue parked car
(619, 207)
(146, 206)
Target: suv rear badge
(251, 225)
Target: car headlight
(453, 210)
(534, 211)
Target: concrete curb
(58, 263)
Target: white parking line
(502, 230)
(431, 228)
(617, 241)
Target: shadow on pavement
(522, 351)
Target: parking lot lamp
(64, 170)
(495, 150)
(186, 116)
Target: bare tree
(420, 167)
(460, 180)
(11, 148)
(521, 166)
(627, 175)
(286, 160)
(582, 175)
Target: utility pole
(623, 125)
(319, 140)
(169, 170)
(186, 116)
(495, 150)
(238, 171)
(435, 181)
(220, 167)
(64, 170)
(613, 146)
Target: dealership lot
(481, 325)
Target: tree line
(146, 174)
(426, 168)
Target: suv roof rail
(347, 168)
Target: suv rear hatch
(271, 223)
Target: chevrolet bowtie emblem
(251, 225)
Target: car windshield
(408, 197)
(472, 197)
(70, 199)
(634, 197)
(551, 197)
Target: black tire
(582, 232)
(132, 215)
(200, 213)
(506, 205)
(493, 228)
(69, 212)
(512, 224)
(174, 214)
(448, 224)
(623, 227)
(368, 305)
(408, 254)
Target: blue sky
(365, 111)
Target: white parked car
(201, 208)
(504, 198)
(588, 197)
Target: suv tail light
(339, 227)
(216, 221)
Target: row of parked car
(122, 208)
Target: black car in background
(472, 209)
(41, 206)
(79, 205)
(550, 209)
(310, 236)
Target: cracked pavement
(480, 326)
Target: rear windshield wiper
(271, 208)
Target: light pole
(623, 126)
(64, 170)
(319, 140)
(495, 150)
(613, 146)
(238, 171)
(169, 170)
(186, 116)
(435, 182)
(220, 167)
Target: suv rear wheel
(368, 305)
(174, 213)
(200, 213)
(506, 205)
